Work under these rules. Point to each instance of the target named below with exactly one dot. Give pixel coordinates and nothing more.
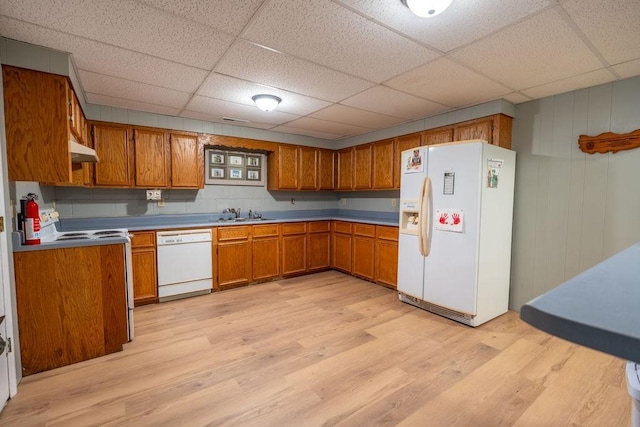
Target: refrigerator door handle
(423, 215)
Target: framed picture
(236, 160)
(253, 161)
(235, 173)
(217, 158)
(217, 173)
(253, 175)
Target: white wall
(572, 210)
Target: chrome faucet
(234, 211)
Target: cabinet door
(294, 254)
(233, 264)
(362, 167)
(363, 257)
(345, 169)
(266, 258)
(112, 146)
(386, 264)
(437, 136)
(152, 160)
(326, 169)
(383, 164)
(287, 167)
(341, 252)
(476, 129)
(145, 276)
(319, 251)
(37, 125)
(308, 165)
(187, 161)
(404, 142)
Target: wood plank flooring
(326, 349)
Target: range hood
(80, 153)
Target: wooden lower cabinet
(233, 257)
(386, 258)
(145, 272)
(294, 248)
(341, 246)
(265, 254)
(363, 250)
(319, 244)
(71, 305)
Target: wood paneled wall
(572, 210)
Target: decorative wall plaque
(609, 141)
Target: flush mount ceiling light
(266, 102)
(427, 8)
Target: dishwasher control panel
(179, 237)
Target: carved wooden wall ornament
(609, 141)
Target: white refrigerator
(456, 210)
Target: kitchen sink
(242, 219)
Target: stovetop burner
(78, 236)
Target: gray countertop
(173, 222)
(599, 308)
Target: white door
(451, 267)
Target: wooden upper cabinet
(187, 161)
(437, 136)
(283, 168)
(308, 167)
(152, 157)
(113, 146)
(37, 125)
(383, 164)
(474, 129)
(404, 142)
(362, 167)
(326, 169)
(345, 169)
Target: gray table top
(599, 308)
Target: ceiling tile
(593, 78)
(307, 132)
(134, 91)
(250, 62)
(240, 91)
(128, 24)
(616, 33)
(384, 100)
(216, 107)
(106, 59)
(354, 116)
(448, 83)
(224, 15)
(516, 98)
(628, 69)
(217, 119)
(328, 34)
(471, 20)
(99, 99)
(530, 53)
(317, 125)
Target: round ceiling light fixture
(427, 8)
(266, 102)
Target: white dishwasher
(184, 263)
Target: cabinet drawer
(233, 233)
(319, 227)
(265, 230)
(367, 230)
(294, 228)
(342, 227)
(143, 239)
(386, 233)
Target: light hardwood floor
(326, 349)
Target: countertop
(174, 222)
(599, 308)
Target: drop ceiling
(341, 67)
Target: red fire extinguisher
(31, 225)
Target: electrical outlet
(394, 203)
(293, 201)
(343, 202)
(154, 194)
(161, 203)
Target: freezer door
(413, 169)
(452, 264)
(410, 266)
